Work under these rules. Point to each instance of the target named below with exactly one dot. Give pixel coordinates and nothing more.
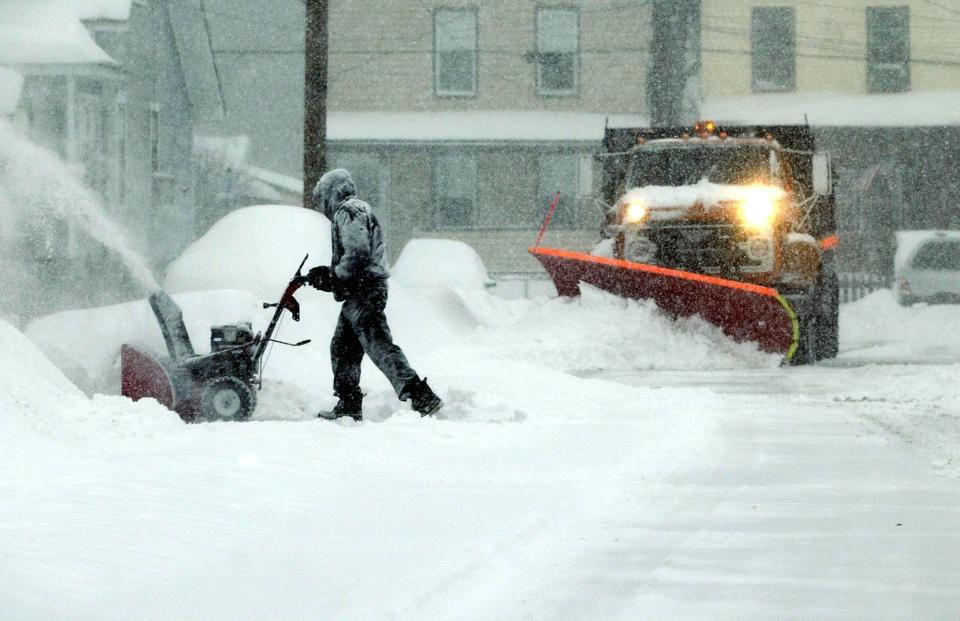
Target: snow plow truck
(734, 224)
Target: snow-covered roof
(10, 84)
(915, 109)
(113, 10)
(199, 71)
(42, 32)
(485, 125)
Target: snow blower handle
(287, 302)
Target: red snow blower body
(220, 385)
(735, 225)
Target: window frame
(455, 94)
(758, 85)
(538, 55)
(874, 83)
(435, 216)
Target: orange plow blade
(745, 312)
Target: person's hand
(319, 278)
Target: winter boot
(349, 405)
(422, 398)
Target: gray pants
(362, 329)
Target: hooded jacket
(357, 237)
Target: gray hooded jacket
(358, 252)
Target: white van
(928, 267)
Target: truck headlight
(758, 209)
(634, 212)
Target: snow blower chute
(220, 385)
(735, 225)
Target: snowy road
(736, 489)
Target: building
(114, 87)
(879, 82)
(459, 120)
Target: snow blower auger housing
(733, 224)
(220, 385)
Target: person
(357, 276)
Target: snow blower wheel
(226, 398)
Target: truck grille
(711, 249)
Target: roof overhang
(482, 127)
(96, 71)
(914, 109)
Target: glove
(320, 278)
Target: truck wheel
(807, 347)
(828, 319)
(227, 398)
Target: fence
(855, 285)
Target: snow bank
(85, 344)
(440, 262)
(877, 329)
(35, 397)
(600, 331)
(255, 249)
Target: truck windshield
(684, 165)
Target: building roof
(10, 84)
(46, 32)
(199, 71)
(473, 126)
(915, 109)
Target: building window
(155, 137)
(888, 49)
(558, 51)
(455, 52)
(455, 189)
(558, 172)
(773, 49)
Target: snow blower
(221, 385)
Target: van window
(939, 255)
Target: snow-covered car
(928, 267)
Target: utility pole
(674, 62)
(314, 97)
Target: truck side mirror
(822, 174)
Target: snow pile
(255, 249)
(440, 262)
(36, 397)
(672, 199)
(600, 331)
(877, 329)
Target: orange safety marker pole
(546, 220)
